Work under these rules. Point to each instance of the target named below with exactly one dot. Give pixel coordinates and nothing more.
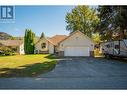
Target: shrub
(6, 51)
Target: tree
(29, 41)
(105, 14)
(121, 20)
(112, 17)
(42, 35)
(96, 38)
(82, 18)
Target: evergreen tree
(42, 35)
(111, 18)
(29, 41)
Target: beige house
(76, 44)
(17, 45)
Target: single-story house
(76, 44)
(17, 45)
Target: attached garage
(76, 44)
(76, 51)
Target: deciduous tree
(82, 18)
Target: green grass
(26, 65)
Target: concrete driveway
(76, 73)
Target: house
(76, 44)
(16, 45)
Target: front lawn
(26, 65)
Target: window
(117, 46)
(43, 45)
(108, 46)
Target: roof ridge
(57, 38)
(58, 35)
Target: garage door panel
(77, 51)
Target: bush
(9, 53)
(6, 51)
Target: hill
(4, 36)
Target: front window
(43, 45)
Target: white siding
(51, 48)
(21, 49)
(77, 39)
(76, 51)
(39, 47)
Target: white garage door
(77, 51)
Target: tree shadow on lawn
(32, 70)
(51, 56)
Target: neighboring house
(17, 45)
(76, 44)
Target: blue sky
(47, 19)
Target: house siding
(39, 48)
(21, 49)
(77, 39)
(51, 48)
